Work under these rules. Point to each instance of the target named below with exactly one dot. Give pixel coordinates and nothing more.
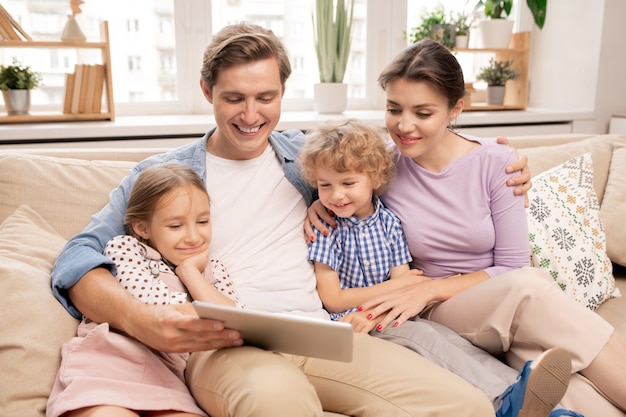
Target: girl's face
(345, 193)
(180, 226)
(417, 117)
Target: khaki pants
(523, 313)
(383, 379)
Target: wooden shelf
(107, 114)
(516, 94)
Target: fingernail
(332, 213)
(334, 226)
(360, 308)
(379, 327)
(325, 232)
(369, 316)
(312, 238)
(396, 324)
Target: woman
(463, 227)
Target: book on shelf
(84, 89)
(12, 27)
(69, 89)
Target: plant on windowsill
(16, 81)
(496, 74)
(332, 29)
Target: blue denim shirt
(83, 252)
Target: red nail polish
(369, 316)
(379, 327)
(395, 324)
(325, 232)
(312, 238)
(360, 308)
(332, 213)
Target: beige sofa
(49, 195)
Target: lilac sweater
(463, 219)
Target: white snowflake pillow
(566, 235)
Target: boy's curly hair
(348, 145)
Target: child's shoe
(539, 387)
(560, 412)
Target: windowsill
(173, 126)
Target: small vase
(495, 95)
(330, 98)
(72, 32)
(17, 102)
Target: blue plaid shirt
(362, 251)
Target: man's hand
(522, 182)
(177, 328)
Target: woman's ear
(457, 109)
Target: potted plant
(332, 29)
(496, 74)
(496, 29)
(436, 26)
(16, 81)
(463, 22)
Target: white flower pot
(17, 102)
(461, 41)
(496, 33)
(330, 98)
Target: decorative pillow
(34, 324)
(565, 232)
(613, 210)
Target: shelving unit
(108, 112)
(516, 93)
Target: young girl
(471, 241)
(367, 255)
(164, 259)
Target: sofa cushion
(565, 232)
(34, 324)
(609, 165)
(613, 209)
(64, 191)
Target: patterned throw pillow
(566, 235)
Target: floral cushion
(565, 232)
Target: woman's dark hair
(431, 62)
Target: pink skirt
(101, 367)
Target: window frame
(192, 22)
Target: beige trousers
(383, 379)
(523, 313)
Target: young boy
(367, 255)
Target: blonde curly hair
(348, 145)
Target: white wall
(579, 58)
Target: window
(157, 45)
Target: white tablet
(287, 333)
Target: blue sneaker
(539, 387)
(560, 412)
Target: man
(259, 205)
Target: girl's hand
(314, 213)
(399, 305)
(191, 266)
(359, 321)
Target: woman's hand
(399, 305)
(314, 213)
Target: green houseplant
(16, 81)
(496, 74)
(332, 30)
(463, 22)
(436, 26)
(496, 29)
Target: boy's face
(345, 193)
(180, 226)
(246, 102)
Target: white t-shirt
(257, 217)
